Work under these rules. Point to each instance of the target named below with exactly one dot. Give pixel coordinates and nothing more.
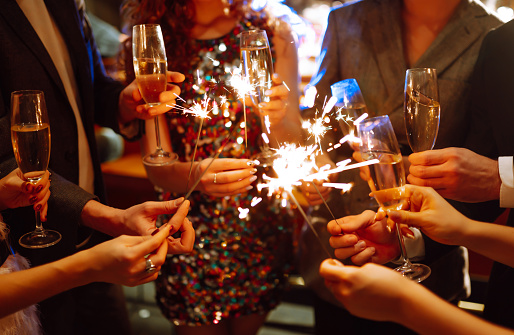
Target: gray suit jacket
(363, 40)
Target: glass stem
(157, 134)
(265, 145)
(39, 225)
(403, 250)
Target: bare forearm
(174, 177)
(24, 288)
(103, 218)
(491, 240)
(426, 313)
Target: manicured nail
(360, 245)
(37, 208)
(33, 199)
(410, 235)
(27, 187)
(253, 178)
(253, 171)
(155, 231)
(250, 163)
(39, 188)
(268, 92)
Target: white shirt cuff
(415, 247)
(506, 167)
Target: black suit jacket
(25, 64)
(492, 135)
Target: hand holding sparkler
(224, 176)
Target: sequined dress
(238, 266)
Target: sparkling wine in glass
(421, 108)
(350, 104)
(257, 66)
(30, 136)
(378, 141)
(150, 66)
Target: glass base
(416, 272)
(160, 158)
(40, 239)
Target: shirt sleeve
(506, 168)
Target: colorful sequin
(238, 266)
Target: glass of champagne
(350, 104)
(257, 67)
(421, 108)
(387, 178)
(150, 67)
(30, 136)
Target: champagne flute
(378, 141)
(258, 68)
(30, 136)
(421, 108)
(350, 103)
(150, 66)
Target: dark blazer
(25, 64)
(492, 135)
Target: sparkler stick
(220, 149)
(326, 205)
(194, 153)
(310, 224)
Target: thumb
(151, 243)
(176, 220)
(405, 217)
(331, 269)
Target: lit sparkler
(242, 87)
(201, 110)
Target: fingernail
(253, 171)
(268, 92)
(409, 235)
(389, 228)
(360, 245)
(155, 231)
(250, 163)
(262, 105)
(253, 178)
(373, 250)
(39, 188)
(37, 208)
(179, 201)
(27, 187)
(248, 188)
(33, 199)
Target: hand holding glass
(150, 65)
(421, 108)
(30, 136)
(378, 141)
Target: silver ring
(215, 178)
(150, 267)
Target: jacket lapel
(14, 17)
(458, 35)
(388, 48)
